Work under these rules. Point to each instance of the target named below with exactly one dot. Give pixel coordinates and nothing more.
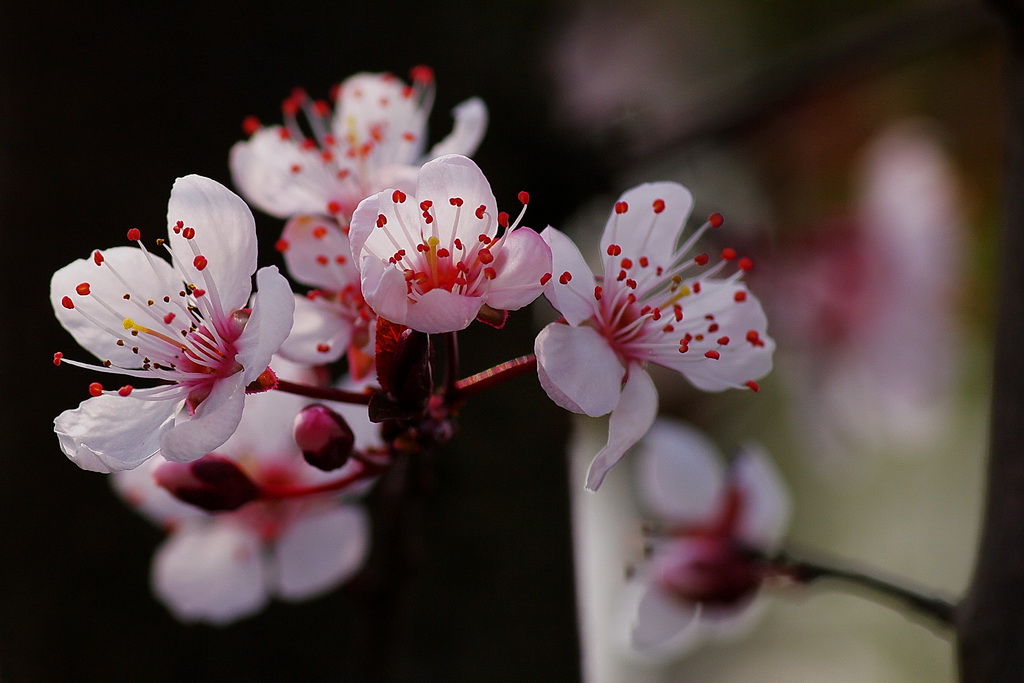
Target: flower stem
(940, 611)
(494, 376)
(451, 366)
(324, 393)
(361, 469)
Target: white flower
(186, 325)
(646, 308)
(432, 259)
(701, 579)
(374, 139)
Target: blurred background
(854, 149)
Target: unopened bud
(324, 437)
(212, 483)
(711, 571)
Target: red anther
(382, 220)
(327, 155)
(421, 74)
(621, 207)
(323, 348)
(426, 204)
(319, 232)
(745, 264)
(659, 205)
(126, 390)
(715, 220)
(614, 250)
(296, 168)
(598, 291)
(728, 254)
(308, 144)
(621, 276)
(687, 338)
(631, 298)
(83, 289)
(669, 328)
(322, 259)
(341, 175)
(422, 248)
(455, 201)
(198, 292)
(334, 91)
(712, 354)
(333, 207)
(427, 218)
(281, 245)
(409, 137)
(712, 328)
(739, 296)
(251, 124)
(458, 244)
(178, 226)
(443, 253)
(97, 257)
(66, 302)
(677, 310)
(627, 263)
(753, 336)
(564, 278)
(483, 239)
(644, 262)
(57, 357)
(524, 197)
(485, 255)
(631, 283)
(200, 262)
(754, 386)
(656, 313)
(169, 318)
(480, 211)
(503, 219)
(330, 140)
(398, 196)
(701, 259)
(724, 341)
(696, 288)
(95, 388)
(134, 235)
(284, 134)
(188, 233)
(490, 273)
(321, 108)
(683, 348)
(545, 278)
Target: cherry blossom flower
(433, 260)
(218, 568)
(647, 307)
(186, 324)
(374, 139)
(704, 572)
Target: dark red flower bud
(709, 570)
(323, 435)
(212, 483)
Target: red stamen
(134, 235)
(67, 303)
(621, 207)
(564, 278)
(251, 124)
(524, 197)
(712, 354)
(83, 289)
(126, 390)
(56, 358)
(95, 388)
(715, 220)
(200, 262)
(659, 205)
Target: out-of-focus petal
(111, 433)
(578, 370)
(268, 324)
(321, 550)
(470, 126)
(317, 253)
(521, 263)
(765, 514)
(319, 334)
(679, 473)
(632, 417)
(663, 626)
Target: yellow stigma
(129, 324)
(683, 291)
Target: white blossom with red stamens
(187, 325)
(374, 138)
(433, 258)
(654, 303)
(704, 569)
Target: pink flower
(219, 568)
(647, 307)
(375, 138)
(431, 260)
(704, 573)
(200, 341)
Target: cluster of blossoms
(259, 485)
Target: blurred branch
(991, 620)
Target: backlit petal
(630, 420)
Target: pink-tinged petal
(364, 221)
(317, 253)
(377, 103)
(384, 289)
(679, 475)
(651, 223)
(663, 626)
(578, 369)
(470, 126)
(264, 432)
(441, 311)
(766, 506)
(454, 176)
(214, 421)
(225, 235)
(269, 322)
(632, 417)
(211, 572)
(319, 335)
(112, 433)
(396, 177)
(321, 550)
(572, 295)
(152, 278)
(522, 262)
(138, 488)
(263, 170)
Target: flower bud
(324, 437)
(711, 570)
(212, 482)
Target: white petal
(317, 253)
(214, 421)
(264, 432)
(457, 176)
(111, 433)
(148, 279)
(317, 322)
(766, 507)
(268, 324)
(470, 125)
(441, 311)
(384, 288)
(378, 102)
(320, 551)
(641, 231)
(680, 476)
(574, 300)
(225, 233)
(578, 369)
(211, 572)
(630, 420)
(663, 627)
(523, 260)
(364, 221)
